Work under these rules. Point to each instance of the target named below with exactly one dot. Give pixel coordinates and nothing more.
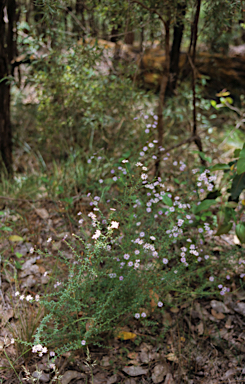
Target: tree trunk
(161, 102)
(175, 50)
(197, 141)
(7, 49)
(129, 38)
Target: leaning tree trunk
(7, 47)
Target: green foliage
(218, 17)
(241, 161)
(154, 259)
(229, 190)
(82, 105)
(204, 205)
(138, 255)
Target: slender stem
(11, 365)
(195, 30)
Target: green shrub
(133, 257)
(81, 104)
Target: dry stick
(189, 140)
(197, 141)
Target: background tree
(7, 51)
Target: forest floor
(203, 339)
(204, 343)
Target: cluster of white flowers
(94, 219)
(97, 234)
(112, 275)
(137, 263)
(28, 297)
(207, 229)
(39, 349)
(114, 225)
(146, 246)
(137, 315)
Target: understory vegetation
(124, 207)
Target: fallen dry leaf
(159, 372)
(174, 310)
(99, 378)
(145, 353)
(113, 379)
(154, 300)
(218, 306)
(171, 357)
(239, 308)
(105, 362)
(135, 371)
(45, 377)
(217, 315)
(41, 269)
(228, 324)
(169, 379)
(200, 328)
(130, 381)
(133, 355)
(42, 212)
(5, 315)
(70, 375)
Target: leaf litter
(203, 342)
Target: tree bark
(197, 141)
(175, 50)
(161, 101)
(7, 49)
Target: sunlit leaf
(223, 93)
(123, 335)
(15, 238)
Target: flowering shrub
(133, 258)
(138, 254)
